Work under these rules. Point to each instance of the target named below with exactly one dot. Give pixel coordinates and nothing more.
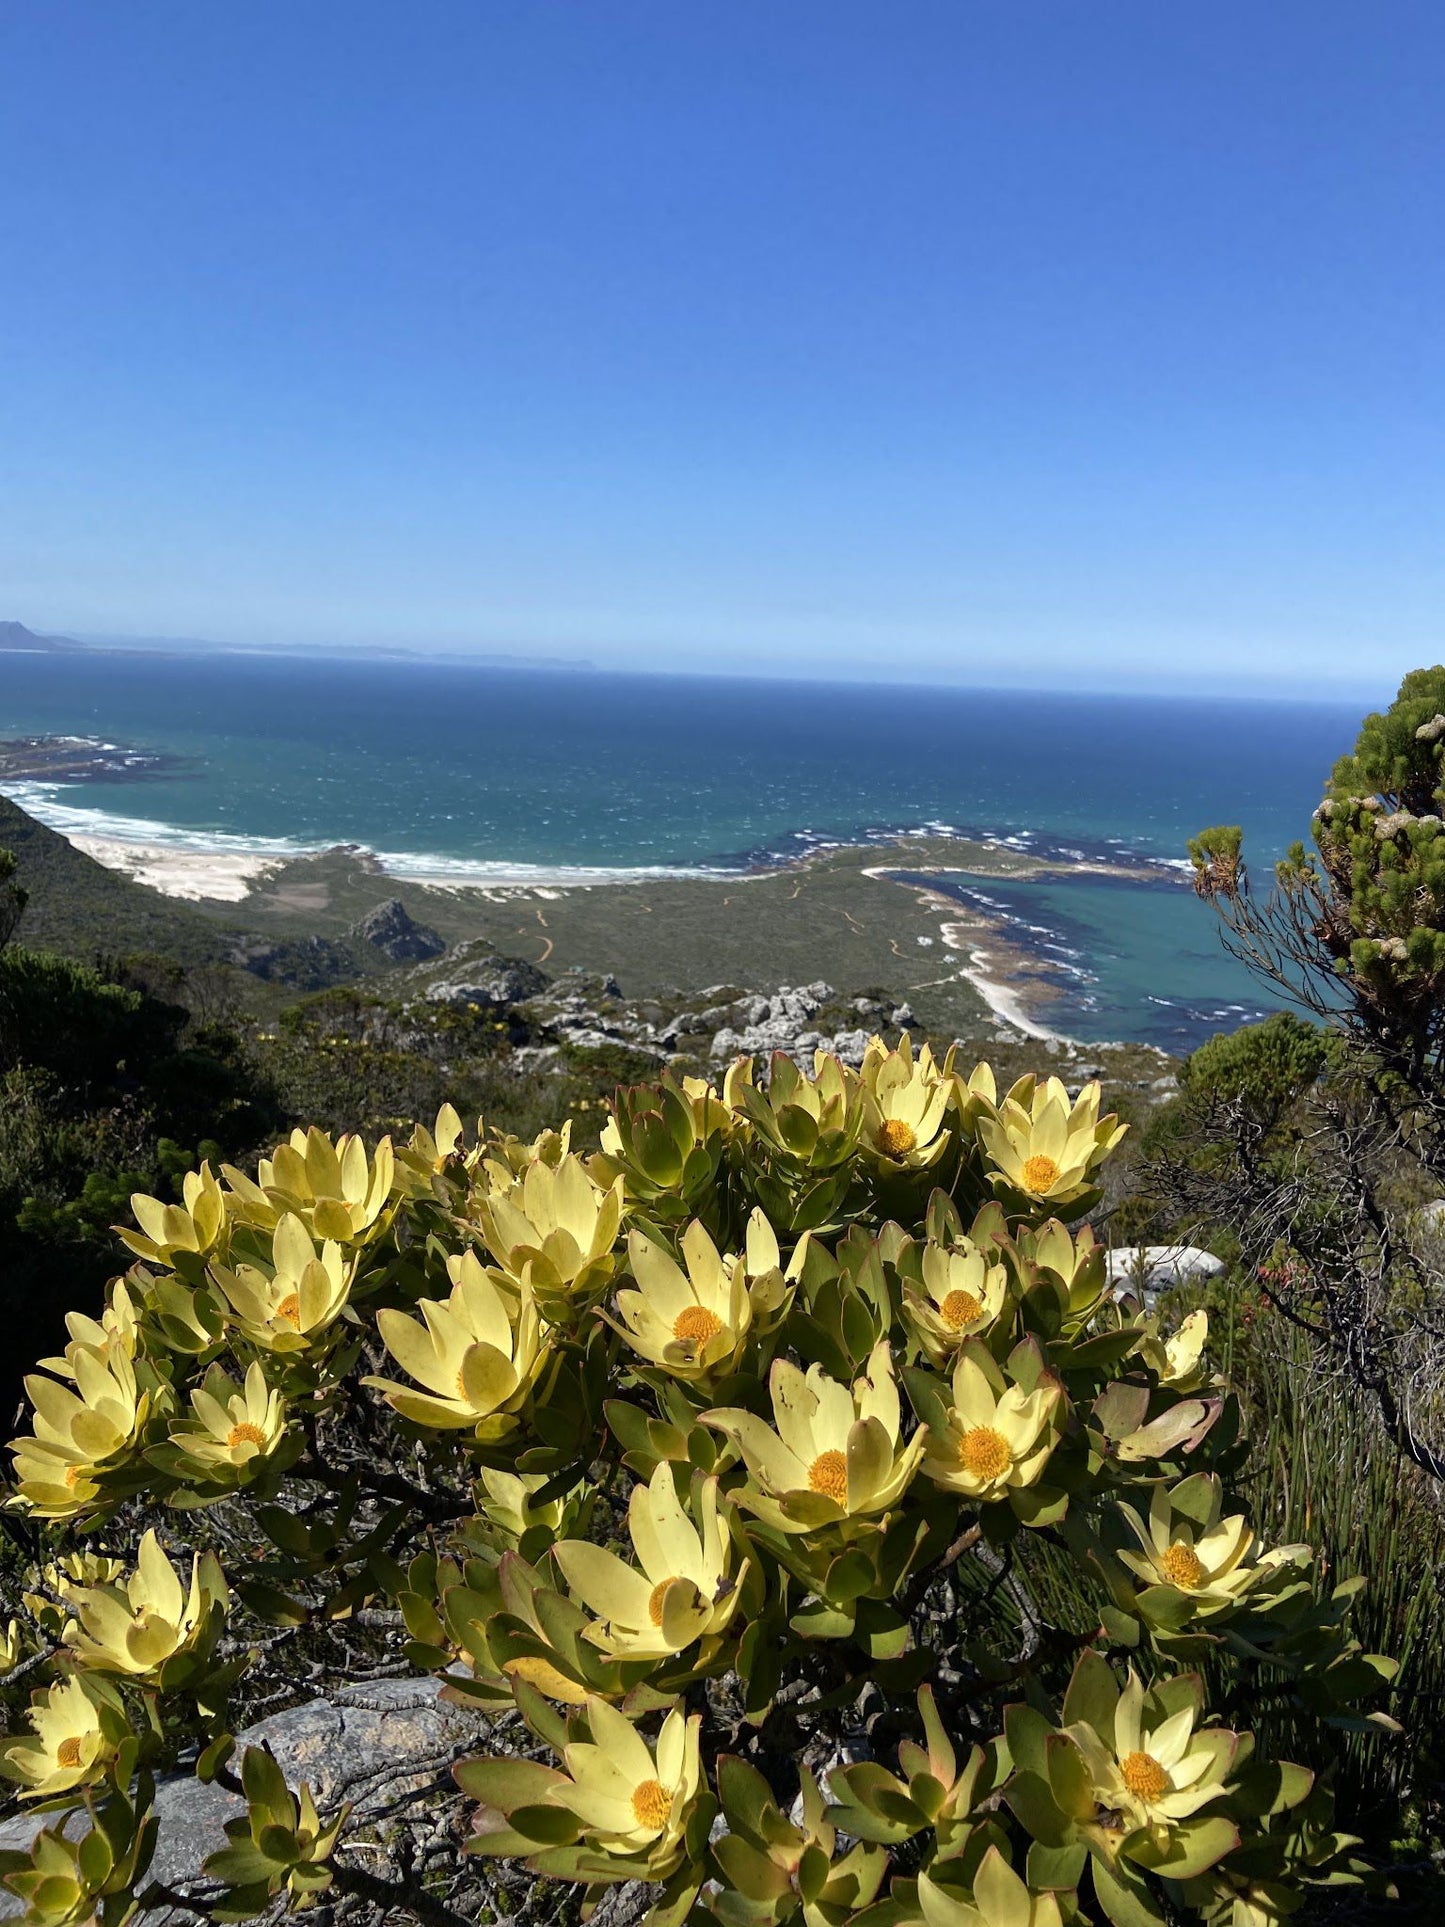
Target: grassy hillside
(80, 909)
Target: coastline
(1014, 986)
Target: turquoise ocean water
(477, 771)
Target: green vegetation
(680, 1462)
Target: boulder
(1153, 1268)
(491, 981)
(391, 929)
(372, 1744)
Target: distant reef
(84, 759)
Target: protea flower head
(478, 1354)
(695, 1323)
(1041, 1146)
(681, 1589)
(994, 1437)
(836, 1454)
(905, 1105)
(962, 1295)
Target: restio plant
(673, 1460)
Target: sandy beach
(216, 876)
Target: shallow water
(453, 769)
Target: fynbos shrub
(707, 1468)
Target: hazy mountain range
(15, 635)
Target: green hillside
(80, 909)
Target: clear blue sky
(1038, 340)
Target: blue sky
(1047, 343)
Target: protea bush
(714, 1470)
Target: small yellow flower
(962, 1295)
(1178, 1361)
(135, 1627)
(1153, 1772)
(336, 1190)
(995, 1438)
(632, 1799)
(478, 1354)
(167, 1230)
(302, 1297)
(78, 1433)
(1039, 1144)
(836, 1454)
(234, 1428)
(905, 1105)
(679, 1591)
(554, 1229)
(695, 1323)
(74, 1740)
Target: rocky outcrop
(303, 963)
(391, 929)
(488, 980)
(374, 1745)
(787, 1020)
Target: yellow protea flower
(168, 1230)
(117, 1329)
(336, 1190)
(478, 1354)
(1178, 1361)
(905, 1105)
(962, 1294)
(77, 1730)
(1154, 1771)
(810, 1121)
(999, 1898)
(1197, 1551)
(134, 1628)
(554, 1229)
(1041, 1145)
(995, 1438)
(633, 1799)
(78, 1433)
(1076, 1263)
(836, 1454)
(302, 1297)
(234, 1427)
(12, 1645)
(681, 1589)
(508, 1502)
(695, 1323)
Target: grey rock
(491, 981)
(1150, 1269)
(373, 1744)
(391, 929)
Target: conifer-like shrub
(811, 1529)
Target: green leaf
(1124, 1896)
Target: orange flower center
(984, 1452)
(289, 1310)
(654, 1604)
(1143, 1776)
(895, 1138)
(828, 1474)
(72, 1473)
(960, 1308)
(1040, 1173)
(1180, 1565)
(245, 1434)
(68, 1752)
(696, 1325)
(651, 1804)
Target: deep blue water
(455, 768)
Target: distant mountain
(14, 635)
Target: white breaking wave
(412, 866)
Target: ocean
(471, 771)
